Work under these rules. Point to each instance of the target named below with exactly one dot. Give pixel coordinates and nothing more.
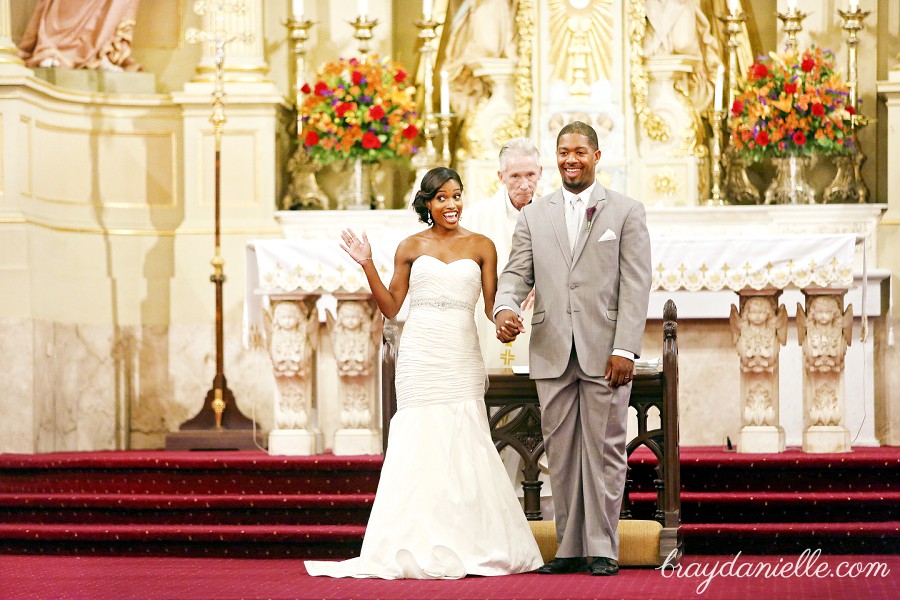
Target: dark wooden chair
(515, 421)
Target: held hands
(509, 325)
(359, 249)
(619, 371)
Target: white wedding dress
(445, 507)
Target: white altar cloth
(319, 266)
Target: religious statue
(479, 29)
(757, 332)
(81, 34)
(293, 337)
(825, 333)
(355, 335)
(681, 27)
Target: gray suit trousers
(584, 424)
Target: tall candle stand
(363, 26)
(792, 24)
(716, 116)
(737, 186)
(303, 190)
(446, 120)
(427, 158)
(848, 185)
(220, 423)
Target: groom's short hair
(581, 129)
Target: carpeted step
(779, 538)
(302, 541)
(174, 509)
(752, 507)
(159, 472)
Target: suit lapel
(598, 200)
(557, 208)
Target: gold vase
(789, 185)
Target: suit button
(569, 311)
(572, 286)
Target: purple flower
(589, 213)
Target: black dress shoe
(558, 566)
(604, 566)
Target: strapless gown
(445, 507)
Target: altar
(709, 261)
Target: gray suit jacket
(595, 298)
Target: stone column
(824, 330)
(292, 330)
(244, 60)
(356, 340)
(758, 331)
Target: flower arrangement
(359, 109)
(792, 104)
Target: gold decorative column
(427, 157)
(8, 51)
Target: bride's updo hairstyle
(431, 183)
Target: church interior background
(107, 211)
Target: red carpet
(100, 578)
(252, 505)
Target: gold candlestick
(446, 120)
(303, 190)
(792, 21)
(853, 24)
(716, 116)
(363, 26)
(737, 186)
(426, 158)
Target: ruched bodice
(439, 359)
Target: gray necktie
(573, 219)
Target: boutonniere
(590, 215)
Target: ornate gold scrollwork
(517, 125)
(657, 129)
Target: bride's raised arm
(389, 300)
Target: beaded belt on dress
(443, 303)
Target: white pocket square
(607, 236)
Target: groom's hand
(509, 325)
(619, 370)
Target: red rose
(312, 138)
(410, 132)
(737, 108)
(356, 77)
(400, 76)
(851, 110)
(762, 138)
(759, 70)
(342, 109)
(306, 89)
(799, 138)
(807, 64)
(376, 113)
(790, 88)
(818, 110)
(321, 88)
(370, 141)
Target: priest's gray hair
(520, 146)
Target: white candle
(854, 5)
(720, 86)
(427, 9)
(734, 6)
(297, 8)
(792, 5)
(445, 93)
(362, 7)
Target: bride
(445, 507)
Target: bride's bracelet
(361, 261)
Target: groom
(586, 252)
